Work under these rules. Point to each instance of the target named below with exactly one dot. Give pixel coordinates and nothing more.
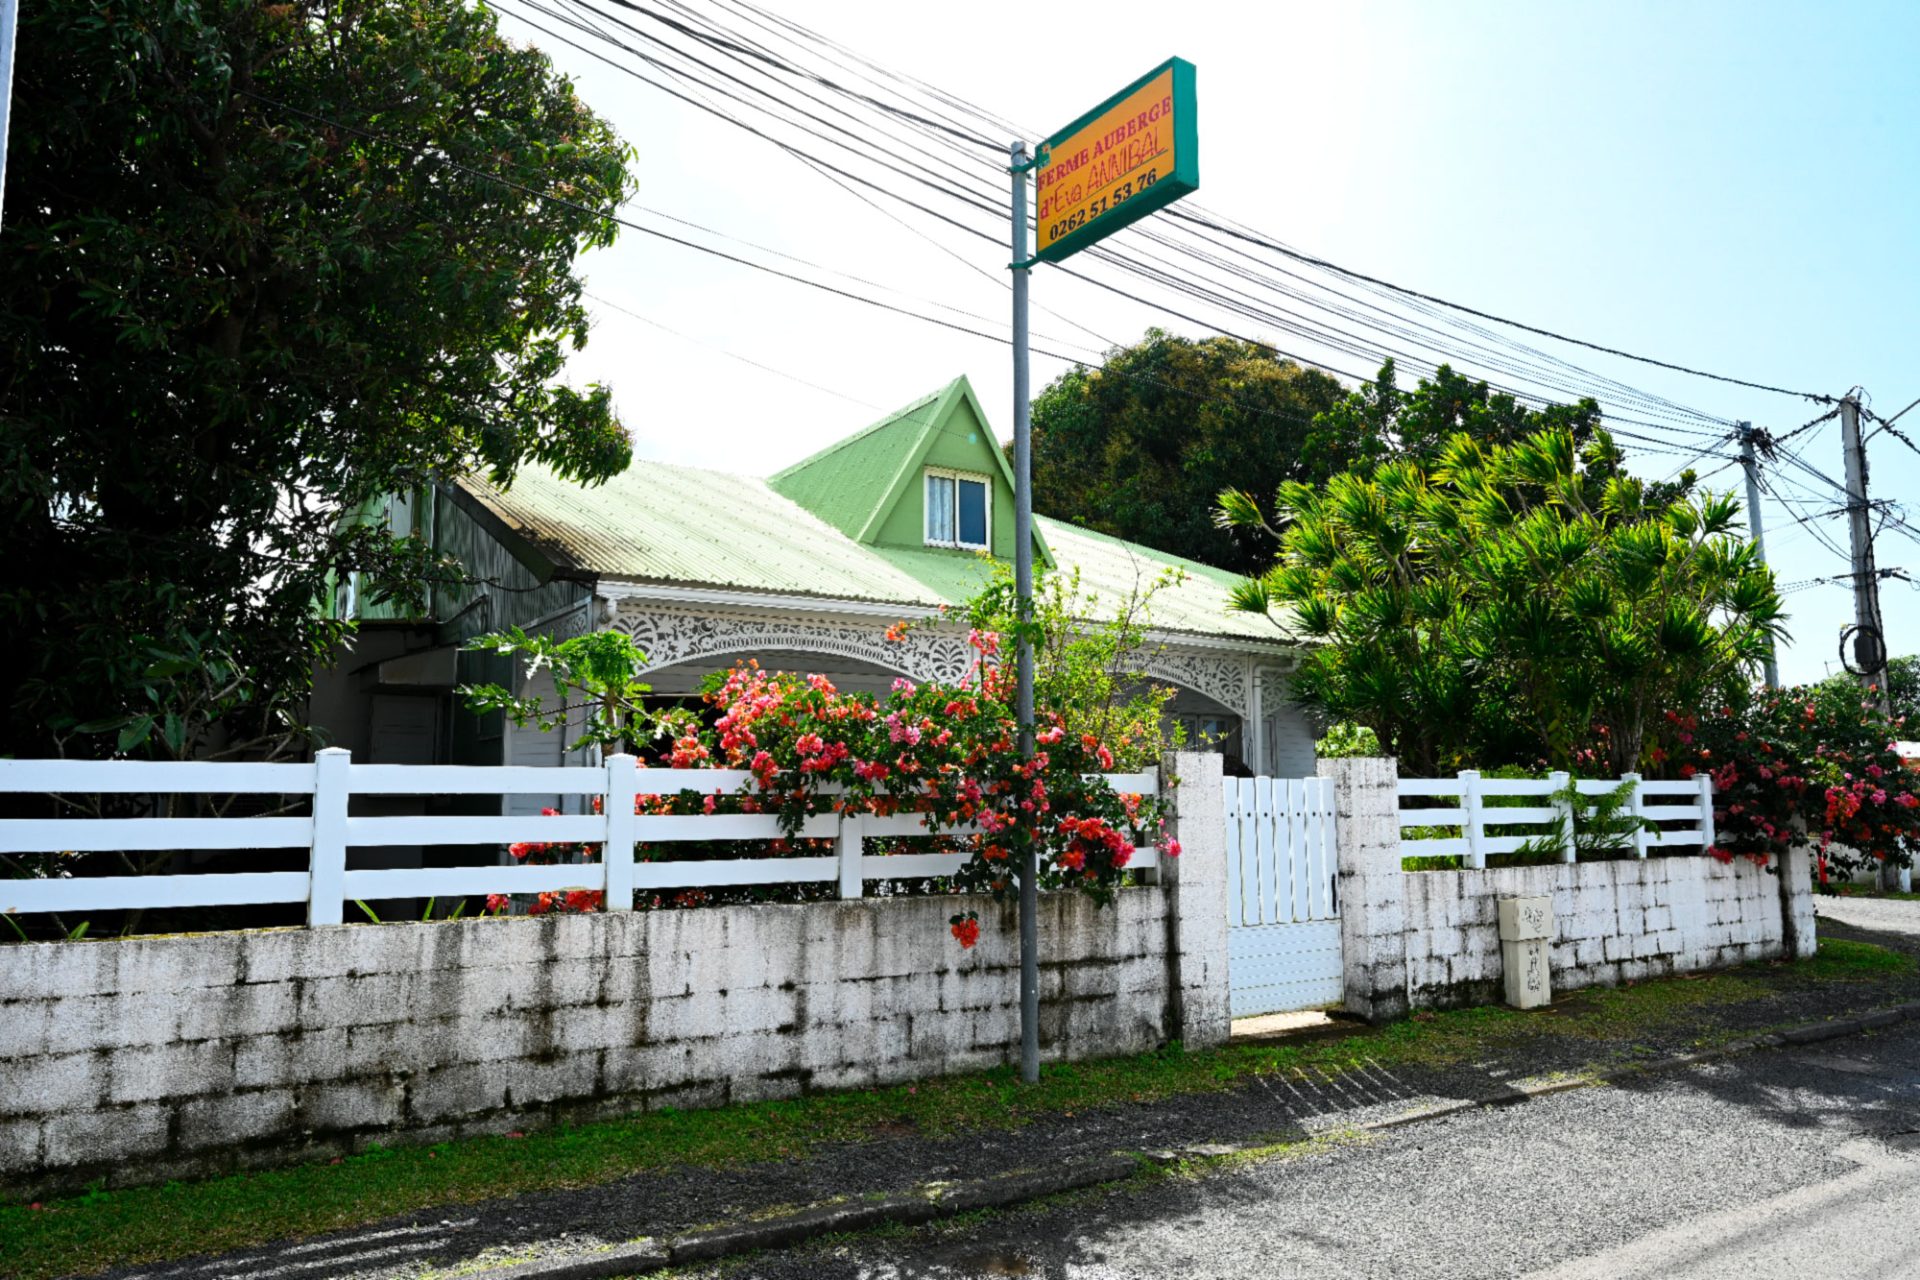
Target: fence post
(1151, 875)
(849, 846)
(1563, 813)
(1199, 997)
(623, 784)
(1635, 806)
(327, 866)
(1474, 825)
(1372, 886)
(1709, 832)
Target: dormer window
(957, 509)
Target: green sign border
(1184, 178)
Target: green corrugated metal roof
(684, 526)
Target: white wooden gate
(1283, 926)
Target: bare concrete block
(394, 1048)
(236, 1118)
(23, 1028)
(590, 980)
(358, 1001)
(111, 1021)
(63, 1082)
(260, 1061)
(185, 1070)
(507, 986)
(47, 970)
(301, 953)
(175, 965)
(694, 1017)
(455, 1092)
(591, 1027)
(761, 1010)
(567, 1078)
(356, 1104)
(19, 1146)
(93, 1137)
(251, 1009)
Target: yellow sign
(1120, 161)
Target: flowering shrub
(949, 753)
(1817, 760)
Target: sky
(1733, 187)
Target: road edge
(1002, 1191)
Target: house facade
(803, 570)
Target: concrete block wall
(1614, 922)
(151, 1058)
(1430, 939)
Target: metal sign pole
(1023, 586)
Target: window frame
(953, 477)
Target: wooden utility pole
(1869, 641)
(1751, 466)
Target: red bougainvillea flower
(966, 930)
(944, 753)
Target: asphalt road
(1800, 1162)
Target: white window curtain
(940, 509)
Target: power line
(1192, 217)
(1319, 333)
(780, 373)
(1484, 315)
(876, 103)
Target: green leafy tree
(1089, 660)
(596, 682)
(1511, 603)
(246, 291)
(1378, 420)
(1139, 447)
(1903, 689)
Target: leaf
(134, 734)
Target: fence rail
(332, 779)
(1657, 800)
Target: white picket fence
(332, 779)
(1657, 800)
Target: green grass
(1872, 891)
(108, 1228)
(1843, 961)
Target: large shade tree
(262, 263)
(1515, 603)
(1138, 447)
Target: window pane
(939, 508)
(973, 513)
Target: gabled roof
(798, 532)
(855, 484)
